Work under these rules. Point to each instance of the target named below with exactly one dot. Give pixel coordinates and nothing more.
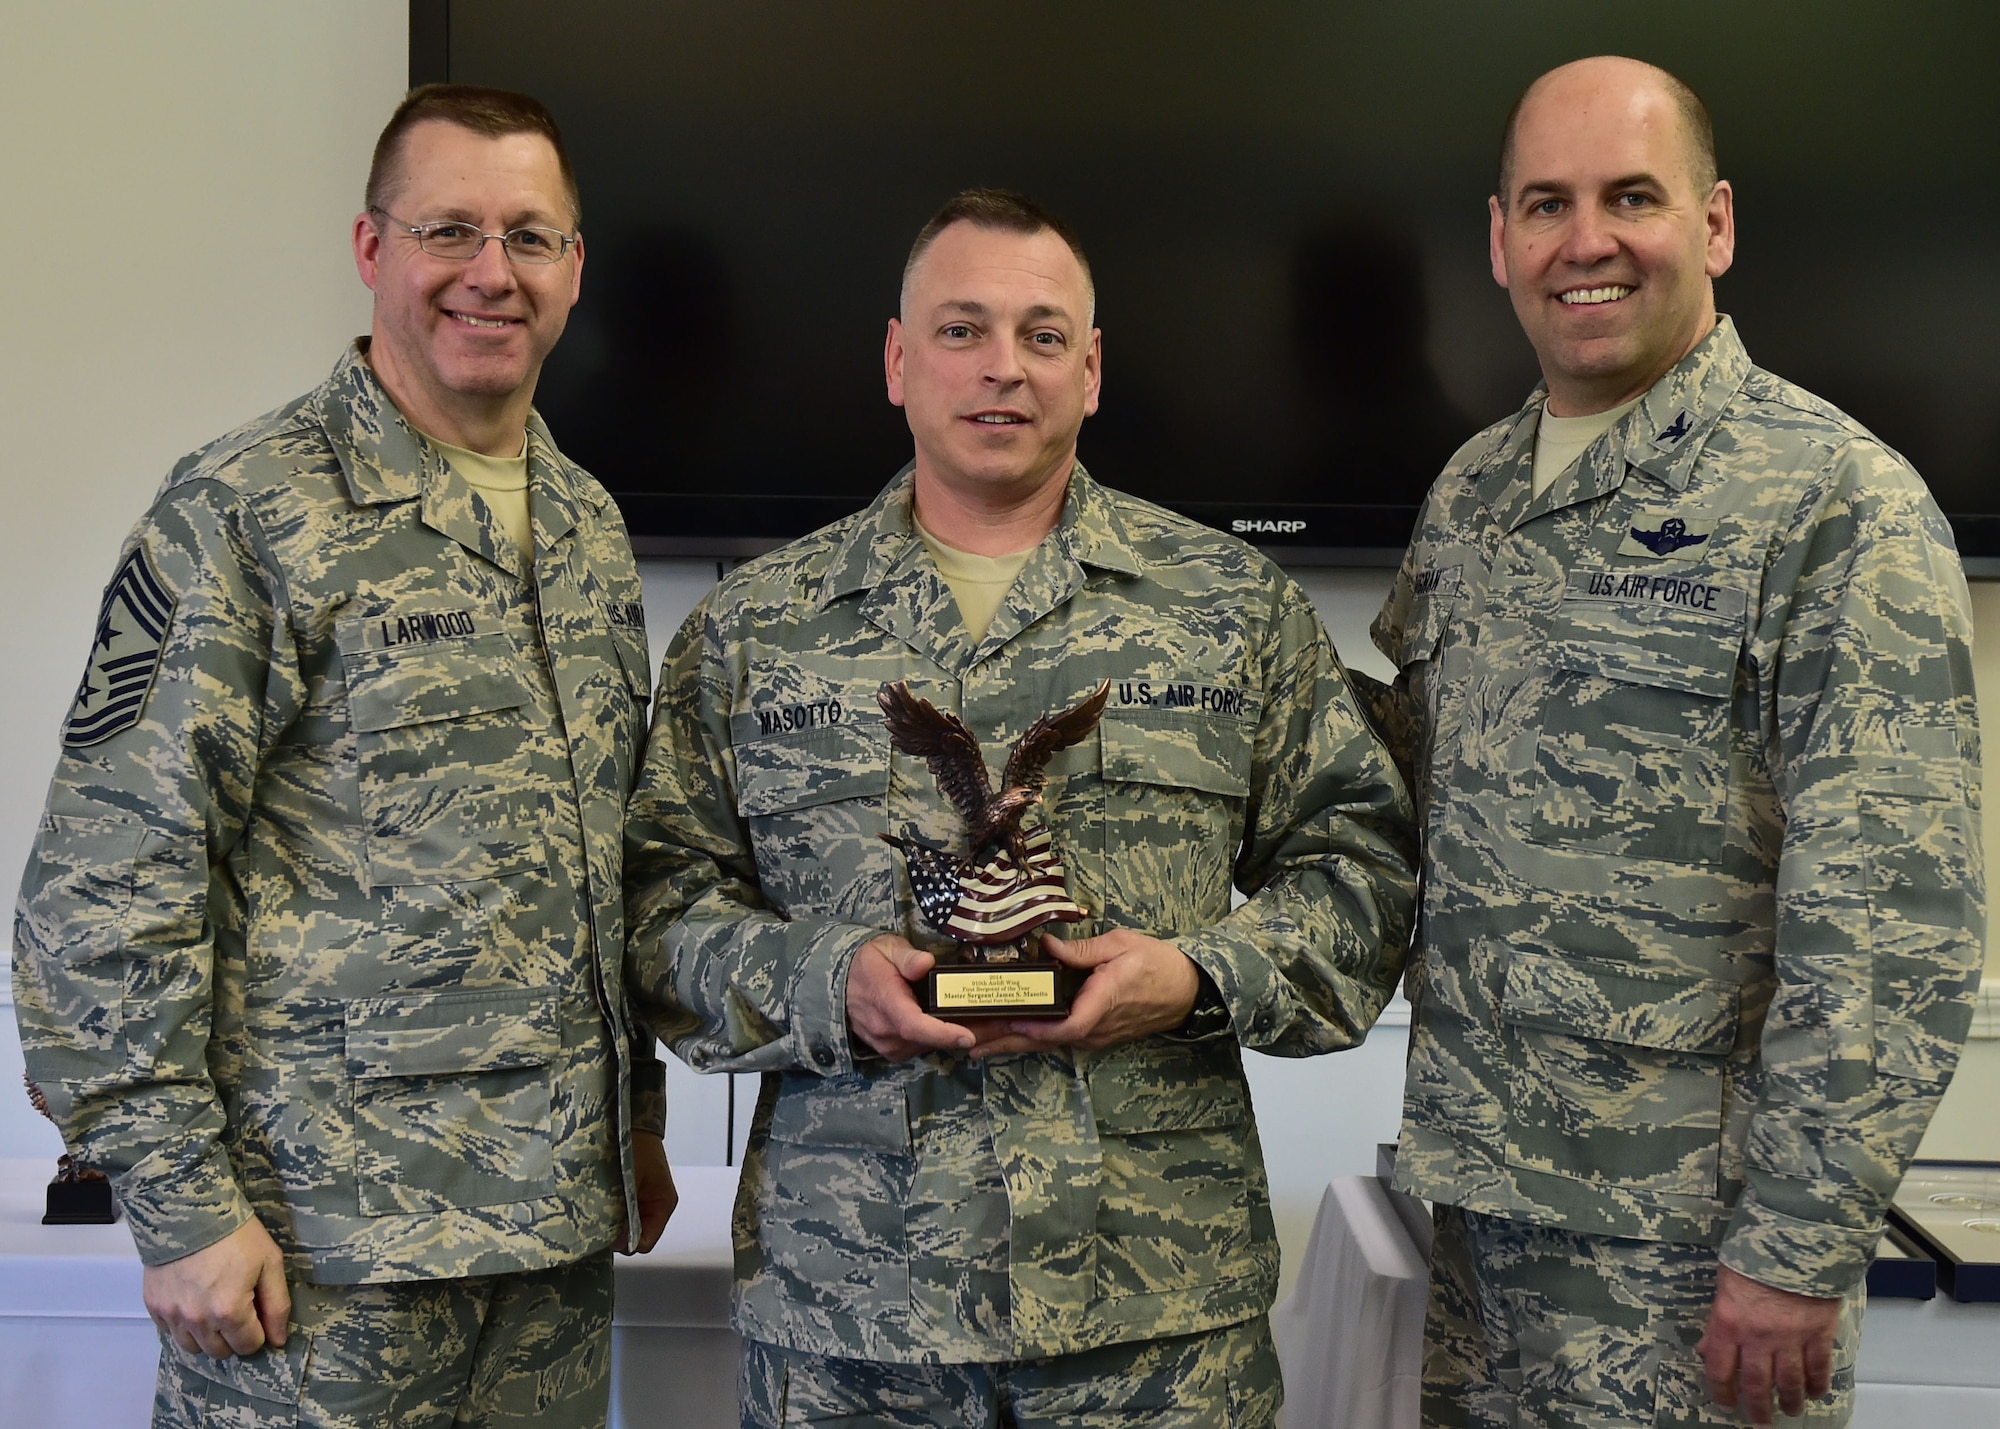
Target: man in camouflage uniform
(319, 949)
(1690, 723)
(1058, 1223)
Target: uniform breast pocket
(1633, 758)
(452, 1097)
(816, 805)
(441, 751)
(1174, 793)
(1617, 1075)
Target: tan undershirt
(1559, 441)
(979, 583)
(503, 482)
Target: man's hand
(883, 1011)
(1759, 1338)
(225, 1299)
(1137, 986)
(653, 1189)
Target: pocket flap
(1167, 1086)
(437, 1034)
(1611, 1004)
(416, 684)
(865, 1113)
(1177, 752)
(1674, 632)
(801, 770)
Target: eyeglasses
(461, 242)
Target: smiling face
(458, 344)
(1604, 245)
(994, 363)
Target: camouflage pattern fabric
(1537, 1327)
(332, 932)
(1219, 1379)
(946, 1210)
(531, 1350)
(1697, 762)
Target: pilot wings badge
(1675, 535)
(992, 902)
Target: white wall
(185, 174)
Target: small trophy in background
(80, 1195)
(993, 902)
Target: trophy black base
(1026, 987)
(79, 1203)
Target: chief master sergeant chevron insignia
(1672, 535)
(131, 630)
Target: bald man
(1684, 692)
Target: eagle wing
(1033, 750)
(941, 740)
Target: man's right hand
(226, 1299)
(882, 1009)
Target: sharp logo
(1242, 526)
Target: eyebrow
(968, 307)
(1540, 187)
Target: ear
(1496, 238)
(892, 361)
(1093, 371)
(576, 273)
(1720, 218)
(367, 248)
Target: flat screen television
(1285, 207)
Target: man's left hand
(1137, 986)
(1759, 1339)
(654, 1191)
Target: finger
(927, 1032)
(1082, 952)
(212, 1343)
(1718, 1364)
(1791, 1382)
(273, 1298)
(910, 961)
(184, 1337)
(1753, 1383)
(1819, 1367)
(242, 1330)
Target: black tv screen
(1285, 207)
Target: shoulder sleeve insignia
(131, 632)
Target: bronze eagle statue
(939, 738)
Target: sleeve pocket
(452, 1098)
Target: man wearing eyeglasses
(319, 950)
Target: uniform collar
(877, 544)
(1663, 436)
(905, 596)
(385, 460)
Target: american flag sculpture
(1013, 883)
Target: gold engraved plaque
(979, 989)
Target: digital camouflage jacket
(943, 1209)
(323, 922)
(1697, 763)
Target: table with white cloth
(1350, 1335)
(76, 1347)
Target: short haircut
(1008, 212)
(494, 113)
(1696, 129)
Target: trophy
(993, 902)
(80, 1195)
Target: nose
(1003, 364)
(490, 270)
(1590, 238)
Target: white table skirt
(76, 1347)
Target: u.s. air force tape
(124, 658)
